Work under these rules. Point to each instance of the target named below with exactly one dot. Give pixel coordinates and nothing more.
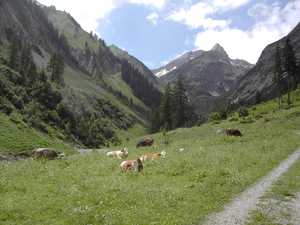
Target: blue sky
(158, 31)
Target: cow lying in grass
(119, 154)
(270, 119)
(145, 142)
(233, 132)
(133, 165)
(48, 153)
(153, 156)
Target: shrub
(247, 119)
(233, 119)
(243, 111)
(214, 117)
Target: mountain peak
(218, 47)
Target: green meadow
(180, 189)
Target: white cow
(119, 154)
(153, 156)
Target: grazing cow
(257, 116)
(48, 153)
(270, 119)
(145, 142)
(131, 165)
(119, 154)
(233, 132)
(153, 156)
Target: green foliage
(174, 111)
(223, 114)
(140, 85)
(200, 181)
(47, 106)
(243, 111)
(278, 78)
(290, 67)
(214, 117)
(247, 119)
(56, 67)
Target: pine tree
(56, 67)
(290, 67)
(181, 103)
(14, 49)
(278, 79)
(166, 108)
(154, 121)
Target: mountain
(177, 63)
(259, 78)
(207, 74)
(94, 106)
(137, 64)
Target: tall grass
(181, 189)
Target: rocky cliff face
(208, 75)
(259, 78)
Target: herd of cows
(133, 165)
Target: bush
(233, 119)
(247, 119)
(214, 117)
(243, 111)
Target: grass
(17, 137)
(181, 189)
(283, 190)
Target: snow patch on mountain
(164, 72)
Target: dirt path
(238, 210)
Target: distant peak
(217, 47)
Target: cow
(233, 132)
(153, 156)
(130, 165)
(145, 142)
(119, 154)
(257, 116)
(270, 119)
(48, 153)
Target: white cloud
(153, 17)
(202, 13)
(225, 5)
(155, 3)
(271, 24)
(197, 16)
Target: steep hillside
(93, 106)
(138, 65)
(259, 78)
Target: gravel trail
(238, 210)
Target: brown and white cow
(134, 165)
(145, 142)
(119, 154)
(153, 156)
(233, 132)
(48, 153)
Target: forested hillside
(67, 87)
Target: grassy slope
(18, 137)
(180, 189)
